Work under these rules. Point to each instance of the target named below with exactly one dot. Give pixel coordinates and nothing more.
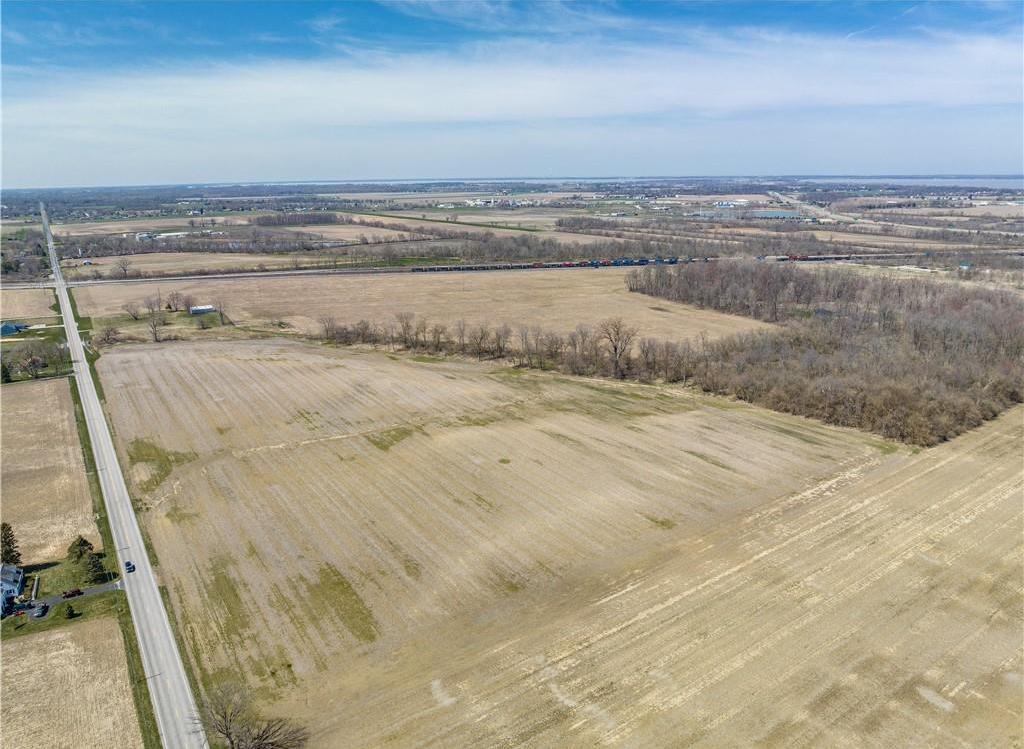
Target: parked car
(129, 566)
(40, 611)
(73, 593)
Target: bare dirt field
(471, 227)
(401, 553)
(45, 492)
(68, 687)
(993, 210)
(26, 303)
(556, 300)
(350, 232)
(861, 239)
(187, 262)
(175, 223)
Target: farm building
(201, 309)
(10, 328)
(12, 582)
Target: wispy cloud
(288, 113)
(550, 17)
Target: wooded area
(915, 360)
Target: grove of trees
(914, 360)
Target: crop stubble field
(557, 300)
(26, 303)
(46, 495)
(68, 687)
(403, 553)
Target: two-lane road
(173, 703)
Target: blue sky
(145, 93)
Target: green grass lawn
(86, 607)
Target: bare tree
(479, 337)
(124, 265)
(174, 301)
(502, 334)
(405, 324)
(222, 309)
(438, 335)
(154, 321)
(619, 338)
(420, 334)
(228, 713)
(328, 326)
(132, 308)
(108, 334)
(460, 335)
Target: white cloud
(269, 116)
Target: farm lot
(405, 552)
(557, 300)
(348, 232)
(156, 263)
(23, 303)
(469, 223)
(68, 687)
(45, 492)
(131, 226)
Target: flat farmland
(68, 687)
(26, 303)
(156, 263)
(472, 226)
(46, 494)
(400, 552)
(175, 223)
(557, 300)
(350, 232)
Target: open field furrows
(846, 239)
(45, 494)
(528, 218)
(995, 210)
(68, 687)
(24, 303)
(131, 226)
(349, 232)
(411, 222)
(319, 508)
(879, 608)
(156, 263)
(556, 300)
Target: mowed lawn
(68, 687)
(557, 300)
(45, 490)
(409, 552)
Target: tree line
(915, 360)
(33, 359)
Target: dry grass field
(349, 232)
(556, 300)
(25, 303)
(68, 687)
(45, 492)
(402, 553)
(156, 263)
(130, 226)
(472, 227)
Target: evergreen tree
(92, 569)
(5, 372)
(9, 545)
(69, 612)
(79, 548)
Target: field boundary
(136, 673)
